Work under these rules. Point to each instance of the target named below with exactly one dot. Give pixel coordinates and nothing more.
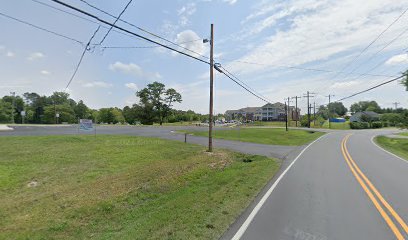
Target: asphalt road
(323, 195)
(165, 132)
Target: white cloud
(132, 86)
(349, 85)
(97, 84)
(185, 12)
(398, 59)
(188, 39)
(35, 56)
(305, 31)
(10, 54)
(133, 69)
(230, 2)
(45, 72)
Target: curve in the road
(372, 193)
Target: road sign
(85, 124)
(23, 113)
(57, 115)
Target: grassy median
(273, 136)
(122, 187)
(398, 146)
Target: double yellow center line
(374, 194)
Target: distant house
(268, 112)
(246, 114)
(276, 112)
(359, 116)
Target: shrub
(359, 125)
(376, 125)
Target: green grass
(404, 134)
(122, 187)
(398, 146)
(271, 124)
(273, 136)
(337, 125)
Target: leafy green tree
(105, 115)
(365, 106)
(81, 110)
(66, 113)
(405, 79)
(337, 108)
(132, 114)
(5, 111)
(156, 101)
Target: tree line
(155, 106)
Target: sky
(267, 44)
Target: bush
(376, 125)
(359, 125)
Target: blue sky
(301, 33)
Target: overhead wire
(128, 31)
(116, 20)
(41, 28)
(371, 88)
(86, 48)
(249, 87)
(144, 30)
(78, 16)
(371, 43)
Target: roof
(250, 109)
(274, 105)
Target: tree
(132, 114)
(66, 113)
(337, 108)
(405, 79)
(105, 115)
(157, 101)
(5, 111)
(81, 110)
(365, 106)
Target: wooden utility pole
(396, 105)
(314, 114)
(13, 106)
(308, 107)
(328, 108)
(210, 123)
(296, 109)
(286, 116)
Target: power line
(83, 18)
(371, 43)
(299, 68)
(371, 88)
(248, 90)
(130, 47)
(376, 53)
(116, 20)
(41, 28)
(80, 59)
(245, 84)
(143, 30)
(127, 31)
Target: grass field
(404, 134)
(398, 146)
(337, 125)
(122, 187)
(273, 136)
(271, 124)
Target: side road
(276, 151)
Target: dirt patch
(33, 183)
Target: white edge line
(252, 215)
(372, 141)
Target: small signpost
(23, 113)
(86, 125)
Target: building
(268, 112)
(244, 114)
(368, 115)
